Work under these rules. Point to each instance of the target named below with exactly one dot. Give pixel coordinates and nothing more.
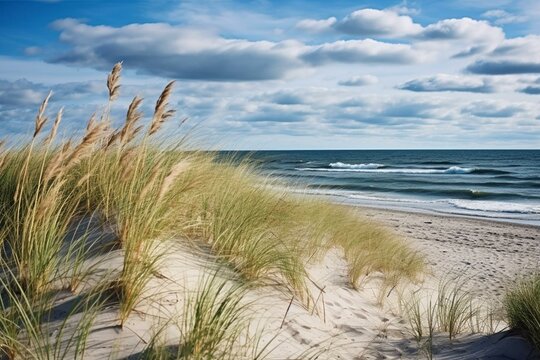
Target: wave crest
(341, 165)
(495, 206)
(372, 169)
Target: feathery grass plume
(113, 81)
(94, 133)
(522, 305)
(160, 112)
(151, 180)
(54, 129)
(129, 131)
(53, 168)
(3, 154)
(41, 119)
(169, 180)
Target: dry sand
(349, 324)
(488, 255)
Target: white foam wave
(495, 206)
(355, 166)
(450, 170)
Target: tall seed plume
(151, 180)
(169, 180)
(41, 119)
(113, 81)
(3, 154)
(160, 112)
(128, 131)
(54, 129)
(46, 203)
(126, 161)
(54, 167)
(93, 134)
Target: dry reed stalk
(54, 129)
(94, 133)
(113, 81)
(112, 139)
(128, 131)
(3, 154)
(84, 179)
(176, 170)
(47, 201)
(152, 180)
(126, 163)
(41, 119)
(54, 168)
(160, 112)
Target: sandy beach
(353, 324)
(488, 255)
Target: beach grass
(522, 305)
(142, 192)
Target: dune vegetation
(64, 203)
(522, 304)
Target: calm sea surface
(502, 184)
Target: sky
(261, 74)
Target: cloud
(501, 17)
(526, 47)
(396, 23)
(491, 109)
(477, 31)
(531, 90)
(388, 23)
(513, 56)
(164, 50)
(286, 98)
(470, 51)
(277, 113)
(361, 80)
(174, 52)
(363, 51)
(20, 93)
(444, 82)
(24, 93)
(405, 108)
(503, 67)
(316, 26)
(373, 22)
(464, 36)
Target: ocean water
(498, 184)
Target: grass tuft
(522, 305)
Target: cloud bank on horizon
(299, 74)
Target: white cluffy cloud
(446, 82)
(175, 52)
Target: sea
(501, 185)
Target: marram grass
(142, 192)
(522, 305)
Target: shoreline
(409, 206)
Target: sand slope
(346, 324)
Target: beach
(484, 257)
(488, 255)
(118, 248)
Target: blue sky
(286, 74)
